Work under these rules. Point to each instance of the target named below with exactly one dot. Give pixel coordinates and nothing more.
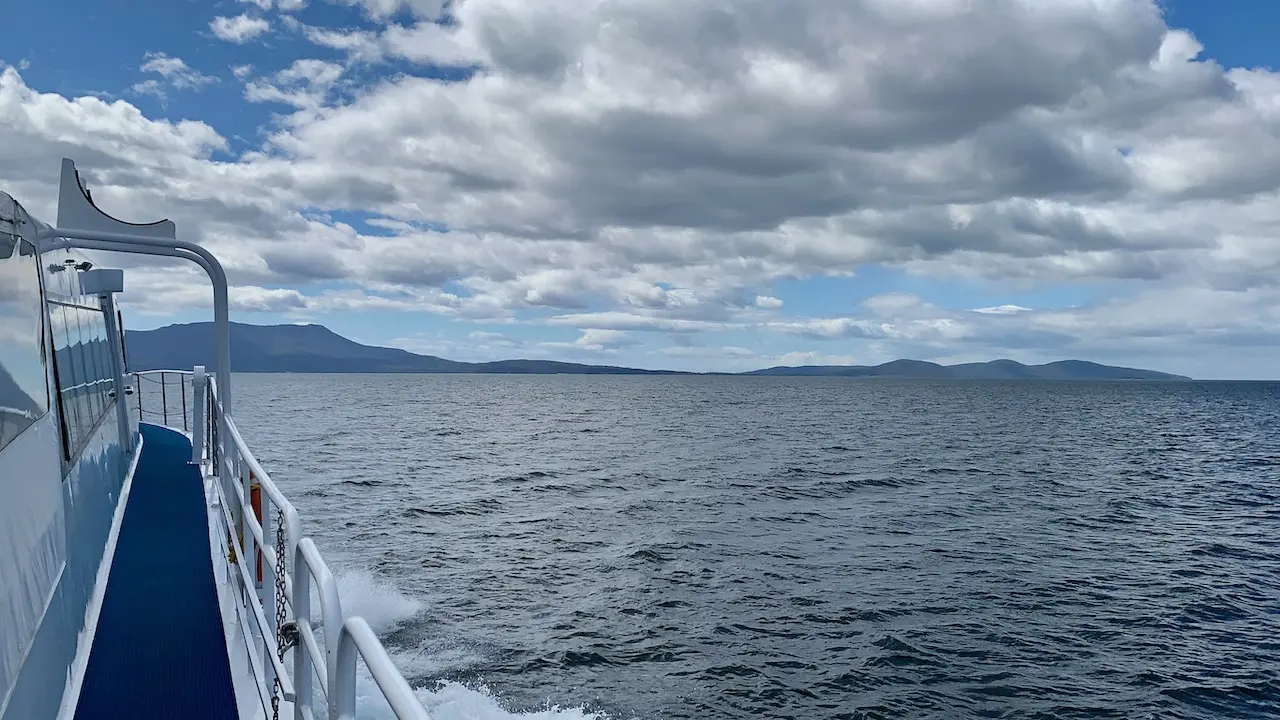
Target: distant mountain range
(993, 370)
(316, 349)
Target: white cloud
(425, 42)
(492, 339)
(701, 351)
(655, 167)
(594, 340)
(1002, 310)
(814, 358)
(149, 87)
(384, 9)
(363, 45)
(595, 337)
(239, 29)
(633, 321)
(282, 5)
(304, 84)
(174, 73)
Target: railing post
(220, 447)
(115, 338)
(330, 606)
(164, 396)
(267, 595)
(342, 687)
(246, 485)
(302, 654)
(197, 414)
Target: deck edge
(84, 641)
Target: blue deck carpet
(159, 651)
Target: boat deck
(159, 650)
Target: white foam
(380, 603)
(385, 607)
(455, 701)
(434, 656)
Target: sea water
(736, 547)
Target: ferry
(149, 566)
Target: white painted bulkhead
(61, 466)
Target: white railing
(357, 639)
(163, 397)
(261, 523)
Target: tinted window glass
(84, 362)
(23, 388)
(64, 353)
(82, 355)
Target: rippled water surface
(719, 547)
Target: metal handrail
(185, 385)
(308, 564)
(220, 450)
(258, 613)
(358, 639)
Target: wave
(450, 700)
(455, 701)
(378, 601)
(387, 608)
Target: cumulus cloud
(654, 167)
(384, 9)
(174, 73)
(238, 29)
(304, 84)
(283, 5)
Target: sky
(687, 184)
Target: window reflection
(82, 356)
(66, 371)
(23, 390)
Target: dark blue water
(816, 548)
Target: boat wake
(454, 701)
(380, 603)
(387, 609)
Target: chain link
(280, 610)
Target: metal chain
(280, 610)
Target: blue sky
(873, 285)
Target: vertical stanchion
(302, 619)
(115, 336)
(198, 436)
(267, 596)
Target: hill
(993, 370)
(317, 349)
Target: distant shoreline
(744, 375)
(316, 349)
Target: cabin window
(83, 359)
(24, 393)
(82, 355)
